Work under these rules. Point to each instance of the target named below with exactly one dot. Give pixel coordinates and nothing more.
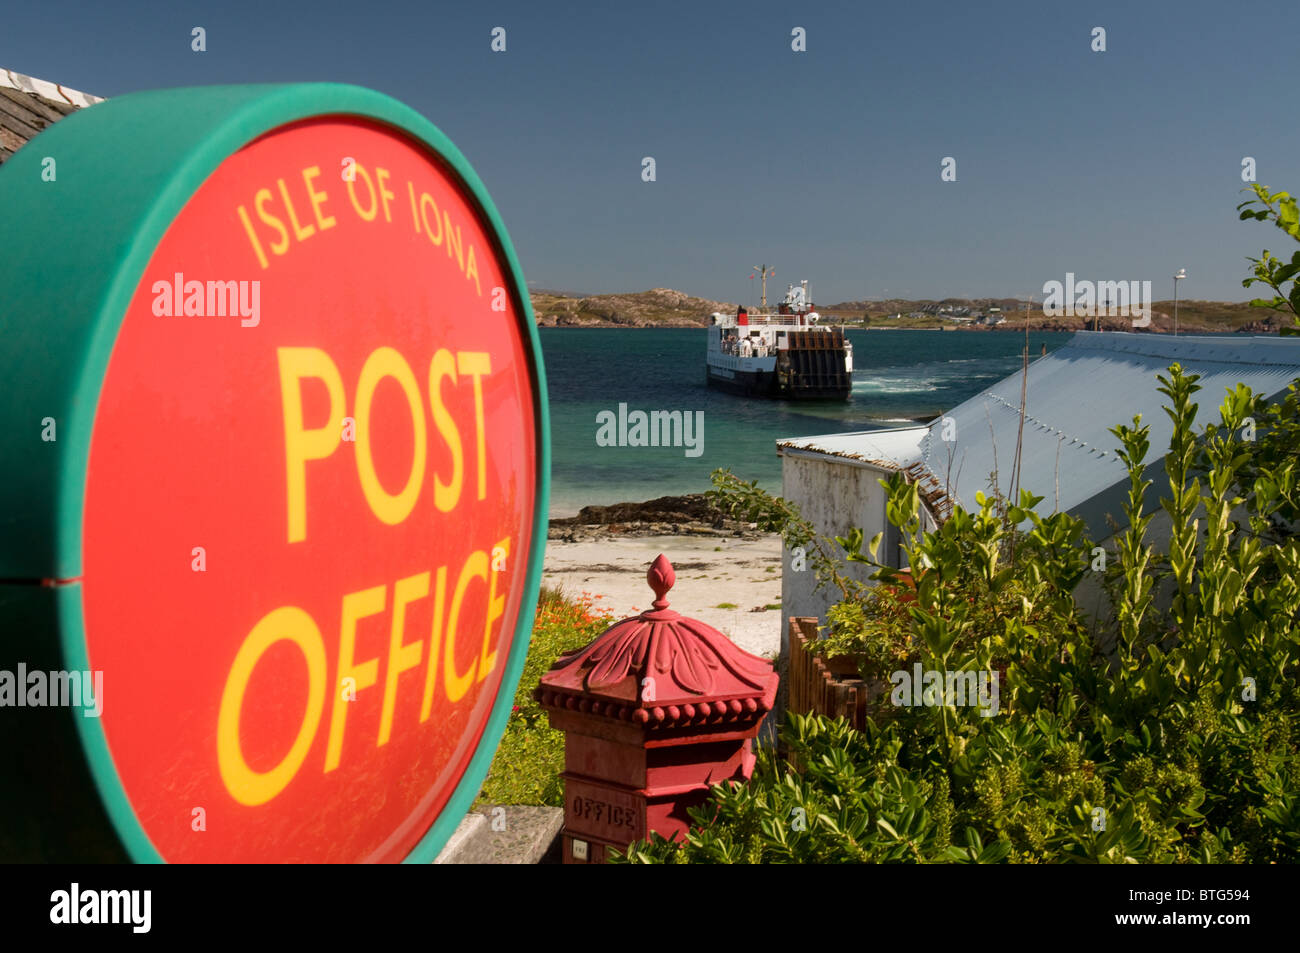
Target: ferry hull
(745, 383)
(767, 384)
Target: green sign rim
(136, 161)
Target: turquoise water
(899, 376)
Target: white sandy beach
(711, 571)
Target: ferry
(784, 355)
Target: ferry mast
(764, 274)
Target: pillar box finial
(656, 710)
(661, 577)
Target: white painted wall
(835, 497)
(838, 494)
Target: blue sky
(1118, 165)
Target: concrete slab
(505, 834)
(461, 839)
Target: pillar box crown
(655, 711)
(663, 671)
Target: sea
(899, 377)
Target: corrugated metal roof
(1077, 393)
(886, 449)
(1074, 396)
(28, 105)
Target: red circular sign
(309, 503)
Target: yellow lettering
(317, 198)
(245, 785)
(384, 194)
(299, 232)
(477, 364)
(252, 237)
(259, 202)
(400, 657)
(387, 362)
(370, 187)
(472, 269)
(301, 444)
(496, 608)
(455, 683)
(445, 495)
(435, 643)
(356, 606)
(453, 239)
(426, 198)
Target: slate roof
(1098, 380)
(28, 105)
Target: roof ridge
(1250, 349)
(46, 90)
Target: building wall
(835, 497)
(1091, 598)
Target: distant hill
(657, 308)
(556, 293)
(665, 308)
(1193, 315)
(894, 305)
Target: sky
(824, 164)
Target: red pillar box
(657, 710)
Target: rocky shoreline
(688, 515)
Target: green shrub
(1183, 745)
(527, 766)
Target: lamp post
(1182, 273)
